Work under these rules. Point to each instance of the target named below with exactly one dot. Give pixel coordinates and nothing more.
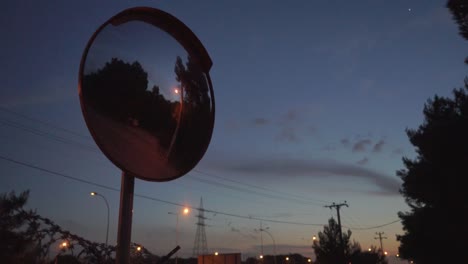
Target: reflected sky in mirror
(139, 41)
(147, 102)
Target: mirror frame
(176, 29)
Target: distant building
(231, 258)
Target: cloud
(361, 145)
(378, 146)
(345, 142)
(398, 151)
(312, 168)
(288, 134)
(364, 161)
(260, 121)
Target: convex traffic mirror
(146, 94)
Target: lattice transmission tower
(200, 246)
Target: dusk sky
(312, 102)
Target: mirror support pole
(125, 219)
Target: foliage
(433, 182)
(17, 244)
(459, 10)
(329, 251)
(26, 237)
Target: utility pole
(261, 240)
(338, 206)
(380, 238)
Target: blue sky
(312, 102)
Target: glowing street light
(287, 258)
(64, 244)
(216, 253)
(185, 211)
(107, 205)
(138, 248)
(261, 256)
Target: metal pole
(341, 234)
(274, 243)
(261, 239)
(125, 219)
(178, 122)
(107, 204)
(177, 235)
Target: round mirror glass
(147, 101)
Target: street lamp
(107, 205)
(181, 93)
(274, 243)
(63, 246)
(185, 211)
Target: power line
(38, 132)
(43, 122)
(248, 191)
(263, 188)
(148, 197)
(164, 201)
(373, 227)
(48, 135)
(64, 140)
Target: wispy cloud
(260, 121)
(288, 134)
(345, 142)
(290, 127)
(361, 145)
(378, 147)
(363, 161)
(279, 168)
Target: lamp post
(63, 246)
(107, 205)
(185, 211)
(181, 93)
(274, 243)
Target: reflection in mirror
(147, 102)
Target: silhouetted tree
(197, 116)
(459, 10)
(328, 250)
(25, 237)
(17, 243)
(434, 183)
